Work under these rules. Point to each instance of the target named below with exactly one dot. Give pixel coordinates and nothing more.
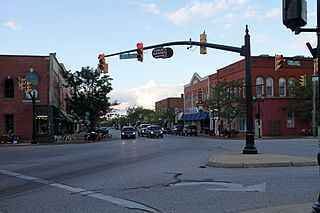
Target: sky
(79, 30)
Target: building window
(290, 118)
(8, 88)
(8, 123)
(282, 87)
(259, 83)
(242, 124)
(269, 86)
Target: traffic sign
(128, 56)
(162, 52)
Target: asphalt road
(150, 175)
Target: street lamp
(259, 113)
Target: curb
(239, 160)
(297, 208)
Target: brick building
(270, 92)
(16, 110)
(175, 103)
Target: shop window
(282, 87)
(8, 123)
(259, 83)
(8, 88)
(290, 118)
(269, 86)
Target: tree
(301, 104)
(89, 92)
(227, 98)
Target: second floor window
(269, 86)
(8, 88)
(282, 87)
(259, 83)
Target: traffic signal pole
(244, 51)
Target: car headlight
(134, 133)
(142, 130)
(151, 132)
(122, 133)
(161, 132)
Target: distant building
(52, 114)
(270, 88)
(175, 103)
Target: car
(128, 132)
(142, 129)
(190, 130)
(154, 131)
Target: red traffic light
(139, 45)
(101, 56)
(279, 57)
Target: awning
(203, 115)
(192, 117)
(198, 115)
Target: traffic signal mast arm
(194, 43)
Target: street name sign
(129, 56)
(162, 52)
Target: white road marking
(84, 192)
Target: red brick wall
(18, 66)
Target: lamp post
(259, 114)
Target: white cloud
(197, 11)
(145, 95)
(151, 8)
(11, 24)
(300, 41)
(275, 12)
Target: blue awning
(186, 117)
(192, 116)
(203, 115)
(198, 115)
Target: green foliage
(302, 103)
(227, 98)
(89, 92)
(139, 113)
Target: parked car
(176, 130)
(142, 129)
(190, 130)
(154, 131)
(128, 132)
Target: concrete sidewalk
(299, 208)
(239, 160)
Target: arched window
(8, 88)
(269, 86)
(259, 83)
(282, 87)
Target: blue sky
(78, 31)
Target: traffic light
(102, 66)
(294, 13)
(29, 87)
(203, 39)
(278, 62)
(302, 80)
(23, 83)
(140, 51)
